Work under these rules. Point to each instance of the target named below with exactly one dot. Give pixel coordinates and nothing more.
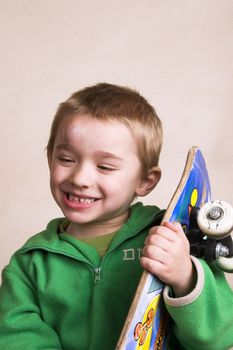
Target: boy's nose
(82, 177)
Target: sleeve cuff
(193, 295)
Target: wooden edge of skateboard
(187, 168)
(132, 309)
(181, 185)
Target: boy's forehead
(85, 127)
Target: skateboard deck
(147, 323)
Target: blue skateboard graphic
(147, 324)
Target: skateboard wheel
(215, 219)
(225, 264)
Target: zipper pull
(97, 272)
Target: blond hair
(111, 102)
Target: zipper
(97, 275)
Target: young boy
(70, 287)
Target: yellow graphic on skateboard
(149, 330)
(208, 225)
(143, 330)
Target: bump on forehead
(106, 135)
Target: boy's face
(95, 173)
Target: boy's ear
(149, 182)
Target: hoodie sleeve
(21, 325)
(203, 319)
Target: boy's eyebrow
(105, 154)
(64, 146)
(102, 154)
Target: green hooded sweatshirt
(57, 293)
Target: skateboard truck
(210, 233)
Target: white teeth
(86, 200)
(81, 200)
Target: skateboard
(208, 225)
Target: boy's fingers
(154, 253)
(168, 230)
(174, 226)
(177, 228)
(151, 265)
(159, 232)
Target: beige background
(178, 53)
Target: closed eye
(66, 160)
(106, 167)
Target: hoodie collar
(50, 240)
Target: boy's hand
(166, 254)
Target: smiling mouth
(81, 200)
